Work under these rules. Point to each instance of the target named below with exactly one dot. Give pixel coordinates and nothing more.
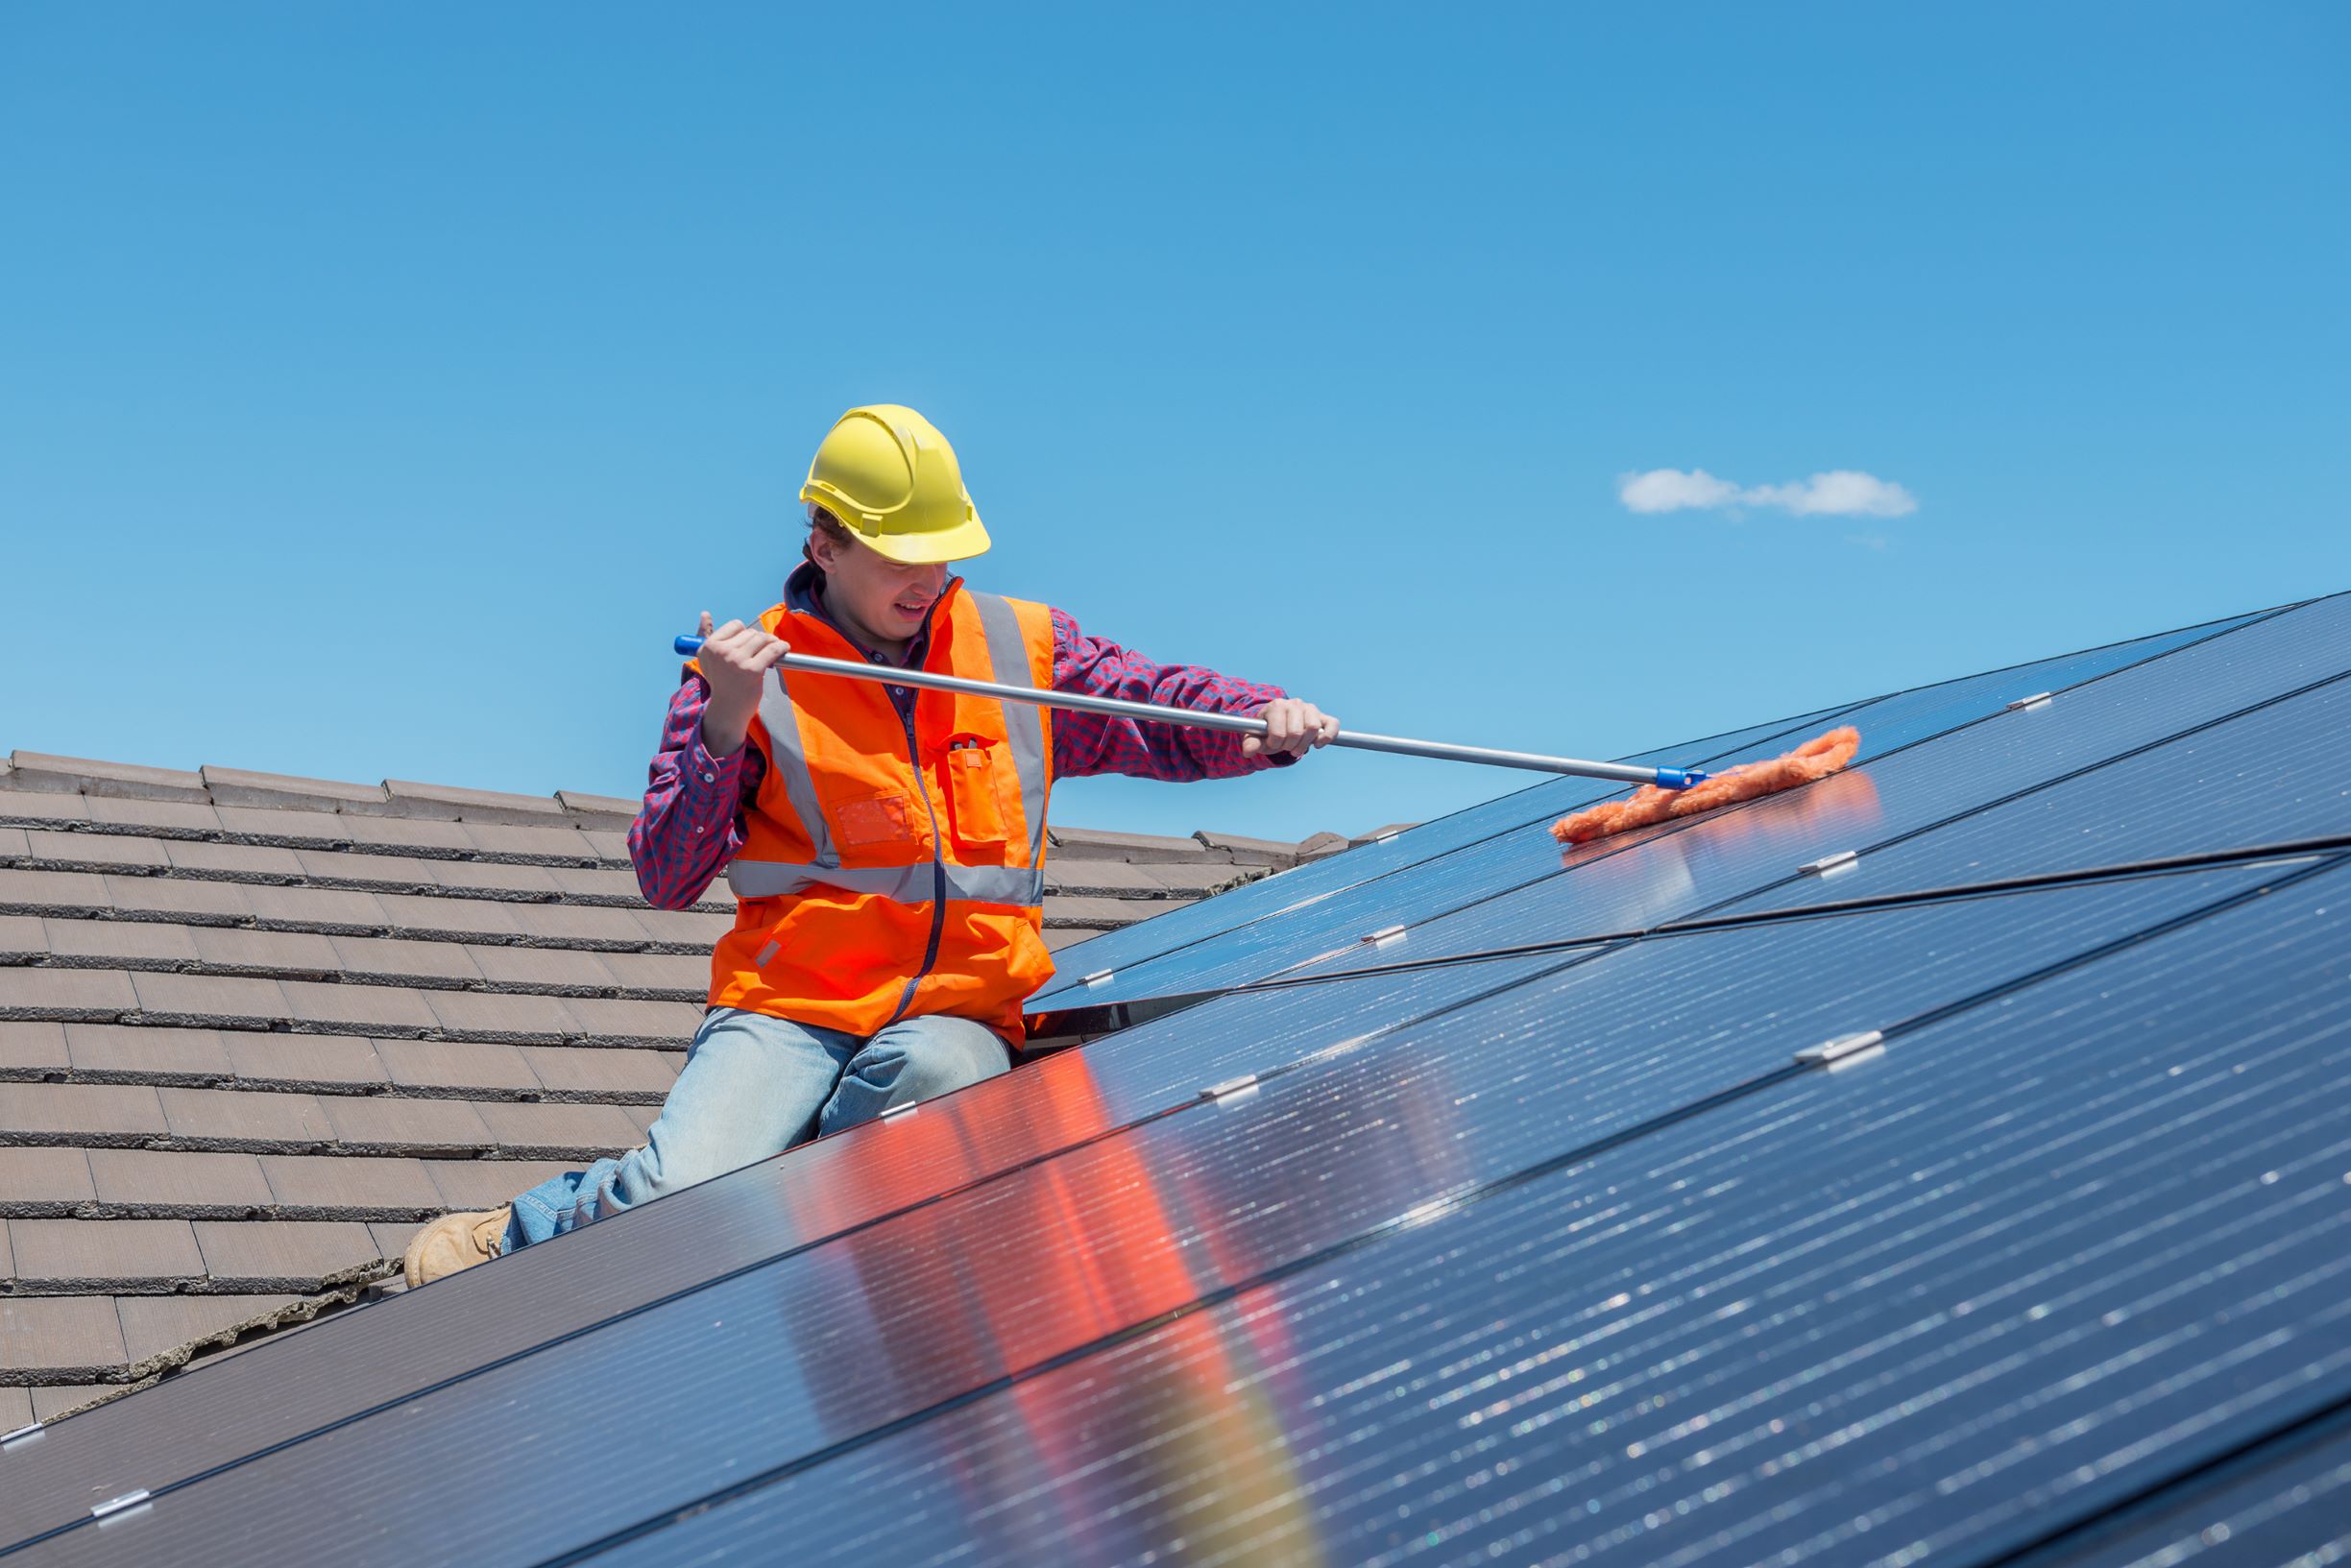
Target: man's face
(876, 595)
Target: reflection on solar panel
(1986, 1200)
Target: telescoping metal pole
(1665, 777)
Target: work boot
(454, 1242)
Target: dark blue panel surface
(2030, 1261)
(783, 1360)
(2293, 1509)
(2279, 773)
(1637, 881)
(1889, 721)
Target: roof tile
(661, 972)
(273, 952)
(53, 892)
(354, 1184)
(237, 862)
(94, 851)
(599, 1072)
(403, 959)
(610, 846)
(178, 1179)
(487, 1184)
(241, 786)
(152, 1325)
(1101, 844)
(95, 994)
(376, 1123)
(317, 908)
(103, 1254)
(451, 1064)
(630, 1022)
(385, 873)
(22, 939)
(585, 806)
(605, 884)
(81, 1111)
(45, 1178)
(453, 919)
(493, 878)
(557, 1131)
(275, 825)
(501, 1016)
(248, 1117)
(40, 805)
(544, 969)
(183, 897)
(166, 819)
(15, 1404)
(455, 803)
(51, 1400)
(283, 1254)
(590, 926)
(58, 1334)
(521, 843)
(210, 1000)
(29, 1049)
(122, 941)
(1246, 850)
(34, 770)
(150, 1054)
(302, 1060)
(415, 835)
(360, 1009)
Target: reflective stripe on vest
(787, 754)
(1023, 885)
(1024, 724)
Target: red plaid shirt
(691, 822)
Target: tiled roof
(253, 1029)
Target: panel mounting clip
(908, 1109)
(1828, 864)
(1245, 1084)
(1383, 936)
(117, 1507)
(1843, 1050)
(1097, 977)
(2039, 699)
(22, 1435)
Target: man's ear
(821, 549)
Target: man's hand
(735, 660)
(1292, 727)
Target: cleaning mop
(1816, 759)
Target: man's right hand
(735, 660)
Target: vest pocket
(874, 819)
(974, 770)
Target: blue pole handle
(1667, 778)
(688, 646)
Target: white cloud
(1670, 490)
(1840, 493)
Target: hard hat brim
(961, 543)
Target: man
(886, 844)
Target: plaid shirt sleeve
(1098, 744)
(690, 824)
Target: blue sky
(382, 387)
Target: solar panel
(2035, 1257)
(1437, 1254)
(1004, 1276)
(1910, 714)
(2282, 1502)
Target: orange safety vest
(895, 868)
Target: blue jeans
(752, 1087)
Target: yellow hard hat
(893, 481)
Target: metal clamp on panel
(908, 1109)
(129, 1502)
(1844, 1049)
(1245, 1084)
(1828, 863)
(1384, 935)
(2039, 699)
(22, 1435)
(1097, 977)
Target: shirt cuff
(709, 785)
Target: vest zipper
(939, 852)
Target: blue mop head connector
(1677, 777)
(688, 646)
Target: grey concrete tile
(404, 959)
(60, 1334)
(405, 835)
(212, 1000)
(92, 777)
(558, 1131)
(614, 884)
(154, 1324)
(81, 1112)
(141, 942)
(237, 862)
(283, 1254)
(453, 1065)
(680, 929)
(579, 924)
(512, 1018)
(95, 994)
(281, 826)
(456, 803)
(528, 843)
(242, 786)
(608, 845)
(160, 819)
(598, 1070)
(372, 1009)
(142, 1179)
(449, 919)
(490, 1183)
(1101, 844)
(542, 969)
(94, 852)
(15, 1409)
(25, 938)
(376, 1123)
(54, 892)
(245, 1119)
(329, 909)
(52, 1400)
(302, 1060)
(182, 898)
(45, 1178)
(359, 1183)
(29, 1049)
(628, 1022)
(142, 1052)
(374, 873)
(491, 877)
(680, 977)
(288, 954)
(103, 1254)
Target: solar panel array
(1983, 1196)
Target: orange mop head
(1815, 759)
